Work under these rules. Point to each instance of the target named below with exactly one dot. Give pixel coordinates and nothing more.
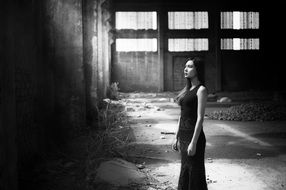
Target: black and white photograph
(142, 95)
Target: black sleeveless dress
(192, 174)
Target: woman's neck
(195, 82)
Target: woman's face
(190, 69)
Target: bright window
(240, 44)
(136, 20)
(188, 20)
(188, 44)
(132, 45)
(239, 20)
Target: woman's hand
(175, 145)
(191, 149)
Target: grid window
(136, 20)
(188, 44)
(239, 20)
(188, 20)
(136, 45)
(240, 44)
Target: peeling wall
(8, 146)
(56, 65)
(42, 82)
(65, 53)
(98, 38)
(136, 71)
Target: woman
(190, 135)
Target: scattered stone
(160, 175)
(251, 112)
(224, 100)
(140, 166)
(162, 137)
(146, 105)
(167, 133)
(107, 100)
(210, 160)
(129, 109)
(169, 188)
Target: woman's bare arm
(178, 125)
(175, 145)
(202, 99)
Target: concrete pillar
(65, 30)
(162, 42)
(8, 131)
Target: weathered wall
(224, 70)
(21, 126)
(42, 82)
(242, 71)
(140, 71)
(65, 53)
(31, 96)
(8, 146)
(136, 71)
(97, 42)
(90, 69)
(273, 47)
(56, 63)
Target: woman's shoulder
(202, 90)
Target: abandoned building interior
(59, 57)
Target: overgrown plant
(113, 91)
(107, 136)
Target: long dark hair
(199, 65)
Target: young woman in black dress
(190, 135)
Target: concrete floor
(239, 155)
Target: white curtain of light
(240, 43)
(239, 20)
(188, 20)
(131, 45)
(188, 44)
(136, 20)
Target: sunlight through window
(189, 44)
(134, 45)
(239, 20)
(136, 20)
(240, 44)
(188, 20)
